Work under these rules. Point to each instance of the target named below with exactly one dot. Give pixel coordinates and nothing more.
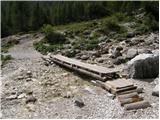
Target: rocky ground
(32, 88)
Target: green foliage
(53, 37)
(111, 25)
(84, 44)
(44, 47)
(5, 59)
(70, 53)
(25, 16)
(148, 24)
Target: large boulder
(144, 66)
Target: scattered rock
(84, 57)
(65, 74)
(116, 53)
(144, 66)
(146, 51)
(79, 102)
(155, 52)
(130, 34)
(68, 94)
(131, 53)
(29, 73)
(112, 96)
(11, 97)
(119, 60)
(20, 77)
(111, 66)
(22, 95)
(31, 99)
(100, 60)
(28, 79)
(155, 91)
(30, 107)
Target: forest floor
(50, 92)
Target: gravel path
(49, 85)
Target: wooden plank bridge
(95, 71)
(125, 91)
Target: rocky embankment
(33, 88)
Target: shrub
(53, 37)
(147, 24)
(5, 59)
(111, 25)
(41, 47)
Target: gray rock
(67, 94)
(147, 51)
(155, 91)
(100, 60)
(116, 53)
(144, 66)
(20, 77)
(119, 60)
(155, 52)
(31, 99)
(21, 95)
(29, 72)
(79, 102)
(131, 53)
(84, 57)
(130, 34)
(11, 97)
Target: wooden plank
(127, 95)
(138, 90)
(87, 66)
(120, 83)
(130, 100)
(137, 105)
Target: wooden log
(127, 95)
(130, 100)
(137, 105)
(101, 84)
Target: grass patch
(5, 59)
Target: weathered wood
(95, 71)
(130, 100)
(137, 105)
(138, 90)
(120, 83)
(129, 95)
(117, 91)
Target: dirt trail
(21, 53)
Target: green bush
(41, 47)
(5, 59)
(148, 24)
(52, 36)
(111, 25)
